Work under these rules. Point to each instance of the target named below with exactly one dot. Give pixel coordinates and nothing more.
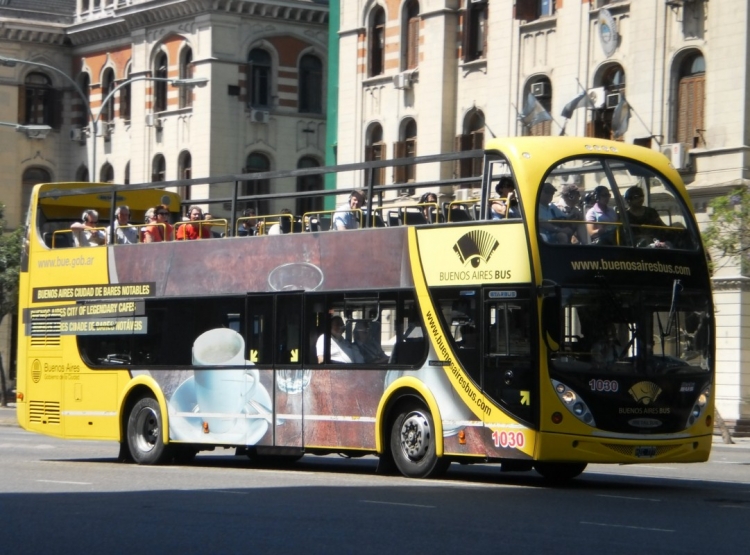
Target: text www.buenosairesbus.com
(67, 262)
(630, 266)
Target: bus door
(508, 376)
(274, 346)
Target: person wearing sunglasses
(158, 229)
(194, 229)
(569, 204)
(601, 218)
(644, 220)
(87, 232)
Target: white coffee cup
(222, 391)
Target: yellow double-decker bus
(552, 312)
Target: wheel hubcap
(147, 425)
(415, 436)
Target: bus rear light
(556, 417)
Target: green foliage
(11, 245)
(728, 231)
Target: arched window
(475, 30)
(185, 171)
(375, 150)
(82, 174)
(472, 138)
(257, 162)
(410, 36)
(31, 177)
(612, 79)
(108, 85)
(158, 169)
(186, 72)
(125, 98)
(376, 42)
(309, 183)
(107, 174)
(80, 111)
(310, 91)
(259, 78)
(406, 148)
(541, 88)
(691, 98)
(160, 87)
(40, 101)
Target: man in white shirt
(341, 350)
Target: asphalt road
(73, 497)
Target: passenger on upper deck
(124, 234)
(278, 228)
(248, 227)
(568, 203)
(85, 233)
(639, 215)
(159, 228)
(506, 207)
(194, 229)
(349, 220)
(429, 206)
(552, 232)
(341, 350)
(601, 233)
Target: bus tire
(144, 432)
(559, 473)
(413, 444)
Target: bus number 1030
(513, 440)
(604, 385)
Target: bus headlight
(699, 407)
(574, 403)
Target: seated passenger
(341, 349)
(639, 215)
(194, 229)
(124, 234)
(85, 233)
(552, 232)
(568, 203)
(428, 202)
(349, 220)
(368, 345)
(601, 233)
(506, 207)
(159, 228)
(284, 223)
(468, 337)
(248, 227)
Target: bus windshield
(634, 332)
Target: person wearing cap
(345, 219)
(549, 215)
(568, 203)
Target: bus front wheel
(145, 433)
(559, 473)
(413, 444)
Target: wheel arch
(137, 388)
(403, 388)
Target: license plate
(645, 452)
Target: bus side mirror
(550, 293)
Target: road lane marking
(399, 504)
(64, 482)
(626, 526)
(625, 497)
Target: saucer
(186, 420)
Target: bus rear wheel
(144, 432)
(559, 473)
(413, 444)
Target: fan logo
(475, 247)
(645, 392)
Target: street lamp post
(191, 82)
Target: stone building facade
(433, 76)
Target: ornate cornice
(731, 283)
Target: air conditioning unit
(677, 154)
(540, 90)
(402, 80)
(598, 96)
(259, 116)
(77, 134)
(153, 121)
(466, 194)
(106, 129)
(613, 100)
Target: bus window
(458, 310)
(259, 340)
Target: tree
(728, 230)
(11, 245)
